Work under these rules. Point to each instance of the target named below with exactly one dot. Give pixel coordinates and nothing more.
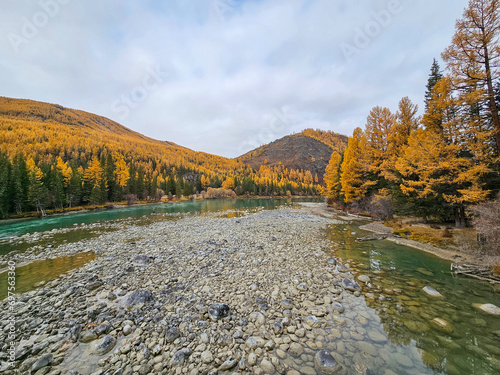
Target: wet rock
(488, 308)
(364, 278)
(442, 325)
(138, 298)
(103, 346)
(267, 366)
(377, 336)
(338, 307)
(425, 272)
(432, 292)
(350, 284)
(312, 321)
(296, 349)
(325, 363)
(218, 311)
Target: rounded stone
(267, 366)
(207, 356)
(103, 346)
(364, 278)
(325, 363)
(432, 292)
(350, 284)
(296, 349)
(488, 308)
(218, 311)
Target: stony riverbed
(257, 294)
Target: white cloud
(233, 73)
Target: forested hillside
(55, 157)
(308, 151)
(438, 165)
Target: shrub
(131, 199)
(213, 193)
(486, 221)
(381, 208)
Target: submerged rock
(325, 363)
(351, 285)
(488, 308)
(432, 292)
(442, 325)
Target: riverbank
(260, 293)
(152, 305)
(453, 256)
(119, 205)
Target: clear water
(15, 228)
(405, 314)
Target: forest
(443, 163)
(53, 157)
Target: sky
(224, 76)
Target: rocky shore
(201, 294)
(198, 295)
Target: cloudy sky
(223, 76)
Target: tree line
(27, 184)
(439, 164)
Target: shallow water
(404, 314)
(31, 275)
(390, 327)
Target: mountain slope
(45, 131)
(52, 157)
(298, 151)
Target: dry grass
(435, 235)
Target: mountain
(52, 157)
(309, 150)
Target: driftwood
(476, 272)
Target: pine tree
(36, 192)
(5, 182)
(434, 170)
(379, 127)
(332, 178)
(20, 184)
(353, 180)
(434, 77)
(473, 58)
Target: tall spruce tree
(434, 77)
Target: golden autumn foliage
(79, 158)
(332, 178)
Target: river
(395, 304)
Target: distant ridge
(309, 150)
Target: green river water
(395, 305)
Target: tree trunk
(460, 217)
(495, 118)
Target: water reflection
(28, 276)
(447, 334)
